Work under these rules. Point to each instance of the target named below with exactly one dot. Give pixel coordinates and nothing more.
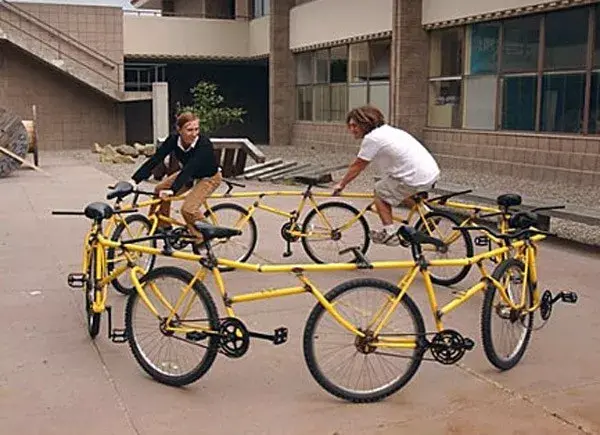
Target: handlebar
(527, 232)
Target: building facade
(509, 87)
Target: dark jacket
(198, 162)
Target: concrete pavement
(54, 379)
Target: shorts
(394, 191)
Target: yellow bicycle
(176, 305)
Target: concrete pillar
(282, 75)
(410, 65)
(160, 111)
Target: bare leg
(384, 210)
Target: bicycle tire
(251, 226)
(213, 317)
(93, 319)
(309, 351)
(331, 205)
(110, 255)
(487, 311)
(464, 235)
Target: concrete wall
(70, 114)
(184, 37)
(340, 19)
(259, 44)
(444, 10)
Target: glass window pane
(357, 95)
(339, 98)
(304, 102)
(566, 39)
(483, 48)
(321, 102)
(444, 104)
(445, 52)
(521, 44)
(380, 54)
(359, 62)
(380, 97)
(480, 102)
(562, 102)
(304, 68)
(338, 70)
(518, 103)
(322, 66)
(594, 124)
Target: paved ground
(53, 379)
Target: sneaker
(382, 237)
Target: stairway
(60, 50)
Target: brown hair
(183, 118)
(367, 117)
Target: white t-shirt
(399, 155)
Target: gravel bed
(552, 192)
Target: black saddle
(210, 232)
(415, 237)
(98, 211)
(120, 190)
(509, 200)
(311, 181)
(523, 219)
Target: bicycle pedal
(76, 280)
(280, 336)
(481, 241)
(287, 254)
(568, 297)
(118, 336)
(468, 344)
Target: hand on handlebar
(337, 189)
(165, 193)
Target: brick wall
(307, 134)
(70, 115)
(100, 28)
(569, 159)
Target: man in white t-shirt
(404, 165)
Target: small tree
(206, 104)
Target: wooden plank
(270, 169)
(287, 173)
(228, 162)
(280, 171)
(240, 162)
(251, 170)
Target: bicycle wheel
(141, 323)
(238, 248)
(340, 381)
(520, 322)
(318, 233)
(122, 283)
(460, 245)
(93, 319)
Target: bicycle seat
(210, 232)
(523, 219)
(509, 200)
(415, 237)
(311, 181)
(98, 211)
(421, 195)
(120, 190)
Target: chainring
(285, 231)
(447, 347)
(177, 238)
(235, 339)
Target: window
(562, 102)
(566, 39)
(342, 77)
(519, 95)
(260, 8)
(528, 73)
(445, 71)
(521, 44)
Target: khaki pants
(190, 210)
